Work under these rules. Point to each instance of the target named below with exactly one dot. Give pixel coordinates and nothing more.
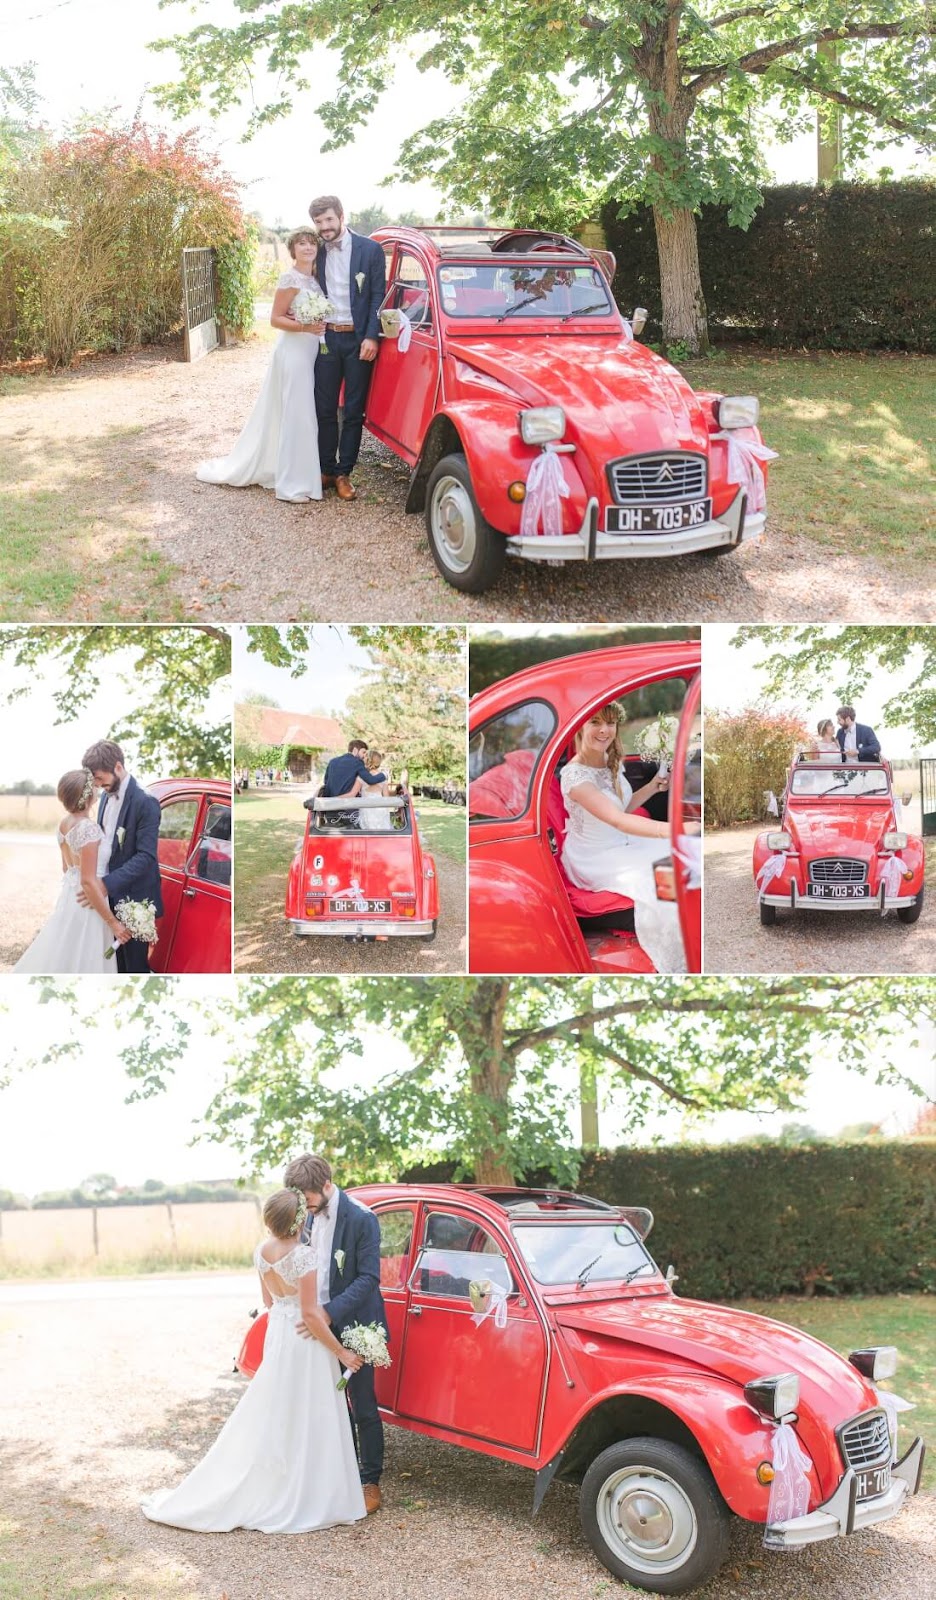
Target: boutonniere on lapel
(121, 836)
(359, 280)
(340, 1260)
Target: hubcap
(454, 526)
(647, 1520)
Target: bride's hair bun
(75, 789)
(283, 1215)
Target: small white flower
(340, 1259)
(359, 280)
(121, 836)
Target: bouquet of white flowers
(311, 306)
(657, 741)
(139, 917)
(367, 1339)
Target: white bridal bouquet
(311, 306)
(367, 1339)
(657, 741)
(139, 916)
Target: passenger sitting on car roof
(341, 772)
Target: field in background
(33, 813)
(111, 1240)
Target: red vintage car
(195, 856)
(513, 346)
(360, 871)
(533, 1326)
(839, 845)
(525, 913)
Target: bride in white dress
(607, 847)
(278, 447)
(284, 1462)
(825, 747)
(75, 937)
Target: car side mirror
(672, 1276)
(638, 321)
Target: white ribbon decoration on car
(744, 467)
(689, 854)
(892, 1404)
(898, 809)
(405, 334)
(892, 876)
(789, 1491)
(545, 486)
(771, 869)
(353, 892)
(496, 1304)
(770, 801)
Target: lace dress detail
(84, 832)
(294, 279)
(290, 1268)
(576, 773)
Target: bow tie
(334, 244)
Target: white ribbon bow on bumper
(744, 467)
(545, 486)
(772, 868)
(789, 1490)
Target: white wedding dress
(74, 938)
(597, 856)
(284, 1462)
(278, 447)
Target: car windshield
(375, 819)
(519, 290)
(581, 1252)
(838, 782)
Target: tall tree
(170, 676)
(412, 707)
(487, 1071)
(561, 107)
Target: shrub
(746, 753)
(236, 264)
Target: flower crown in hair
(301, 1210)
(88, 789)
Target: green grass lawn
(908, 1321)
(856, 435)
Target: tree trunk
(481, 1035)
(684, 313)
(669, 110)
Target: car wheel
(912, 913)
(768, 915)
(468, 552)
(653, 1515)
(435, 928)
(720, 550)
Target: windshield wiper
(584, 311)
(519, 305)
(628, 1277)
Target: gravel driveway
(30, 879)
(142, 422)
(115, 1388)
(836, 941)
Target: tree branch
(633, 1071)
(851, 104)
(757, 61)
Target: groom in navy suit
(856, 740)
(348, 1237)
(352, 275)
(130, 819)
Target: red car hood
(619, 396)
(738, 1345)
(838, 829)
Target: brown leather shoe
(344, 488)
(373, 1499)
(328, 480)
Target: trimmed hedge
(845, 266)
(741, 1221)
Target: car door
(202, 937)
(180, 813)
(686, 816)
(401, 401)
(397, 1222)
(480, 1373)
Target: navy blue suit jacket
(354, 1286)
(866, 739)
(341, 773)
(133, 869)
(367, 257)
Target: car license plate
(658, 519)
(838, 891)
(381, 907)
(873, 1481)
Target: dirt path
(837, 941)
(30, 878)
(115, 1389)
(124, 433)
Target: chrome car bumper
(349, 927)
(794, 901)
(590, 544)
(844, 1513)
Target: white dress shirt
(851, 740)
(322, 1237)
(112, 807)
(338, 277)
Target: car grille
(838, 869)
(866, 1442)
(657, 480)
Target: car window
(365, 819)
(175, 832)
(527, 289)
(396, 1236)
(648, 725)
(211, 858)
(839, 781)
(455, 1254)
(567, 1251)
(502, 758)
(411, 291)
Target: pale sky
(327, 682)
(92, 53)
(33, 746)
(733, 679)
(61, 1122)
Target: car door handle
(189, 894)
(415, 1311)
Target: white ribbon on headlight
(892, 876)
(545, 487)
(891, 1404)
(770, 801)
(745, 460)
(405, 334)
(689, 853)
(772, 868)
(789, 1491)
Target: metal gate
(200, 303)
(928, 794)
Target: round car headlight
(773, 1397)
(878, 1361)
(737, 410)
(895, 841)
(779, 841)
(542, 424)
